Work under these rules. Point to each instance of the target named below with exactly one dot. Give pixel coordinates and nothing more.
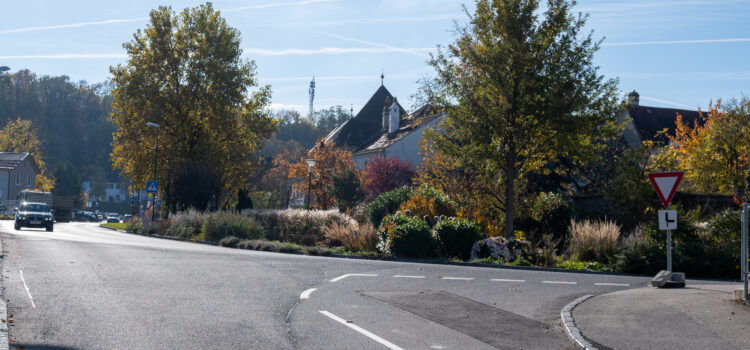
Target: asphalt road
(86, 287)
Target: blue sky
(675, 53)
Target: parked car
(33, 215)
(113, 218)
(127, 218)
(90, 217)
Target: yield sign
(666, 185)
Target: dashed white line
(407, 276)
(306, 293)
(507, 280)
(559, 282)
(27, 289)
(351, 275)
(361, 330)
(613, 284)
(457, 278)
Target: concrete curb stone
(571, 330)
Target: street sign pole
(666, 185)
(669, 250)
(743, 253)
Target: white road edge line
(361, 330)
(407, 276)
(457, 278)
(306, 293)
(559, 282)
(613, 284)
(27, 289)
(506, 280)
(353, 274)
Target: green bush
(407, 237)
(430, 202)
(456, 237)
(226, 223)
(547, 213)
(230, 241)
(186, 224)
(725, 226)
(387, 204)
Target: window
(18, 179)
(117, 197)
(110, 199)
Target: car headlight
(48, 218)
(22, 217)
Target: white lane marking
(407, 276)
(507, 280)
(559, 282)
(27, 289)
(306, 293)
(613, 284)
(456, 278)
(353, 274)
(361, 330)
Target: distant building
(114, 192)
(647, 123)
(383, 128)
(18, 172)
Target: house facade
(18, 172)
(383, 128)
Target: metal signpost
(666, 185)
(743, 253)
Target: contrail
(678, 42)
(329, 51)
(668, 102)
(415, 52)
(128, 20)
(65, 56)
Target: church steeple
(382, 77)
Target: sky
(675, 53)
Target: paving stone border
(570, 327)
(4, 344)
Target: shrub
(501, 248)
(226, 223)
(456, 237)
(387, 204)
(135, 225)
(548, 213)
(230, 241)
(186, 224)
(429, 201)
(355, 237)
(546, 251)
(593, 240)
(725, 226)
(347, 189)
(407, 237)
(295, 225)
(385, 174)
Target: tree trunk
(510, 177)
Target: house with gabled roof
(652, 123)
(18, 172)
(383, 128)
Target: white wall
(407, 148)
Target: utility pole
(312, 97)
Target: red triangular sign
(666, 185)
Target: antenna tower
(312, 97)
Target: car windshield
(35, 207)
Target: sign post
(666, 185)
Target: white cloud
(373, 77)
(330, 51)
(276, 4)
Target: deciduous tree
(21, 136)
(185, 72)
(384, 174)
(520, 88)
(329, 160)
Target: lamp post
(156, 155)
(310, 165)
(4, 68)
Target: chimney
(394, 118)
(633, 99)
(386, 113)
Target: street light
(310, 165)
(4, 68)
(156, 154)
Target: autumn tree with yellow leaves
(21, 136)
(330, 162)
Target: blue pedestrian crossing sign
(152, 186)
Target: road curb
(571, 330)
(4, 340)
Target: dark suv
(33, 215)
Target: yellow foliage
(329, 160)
